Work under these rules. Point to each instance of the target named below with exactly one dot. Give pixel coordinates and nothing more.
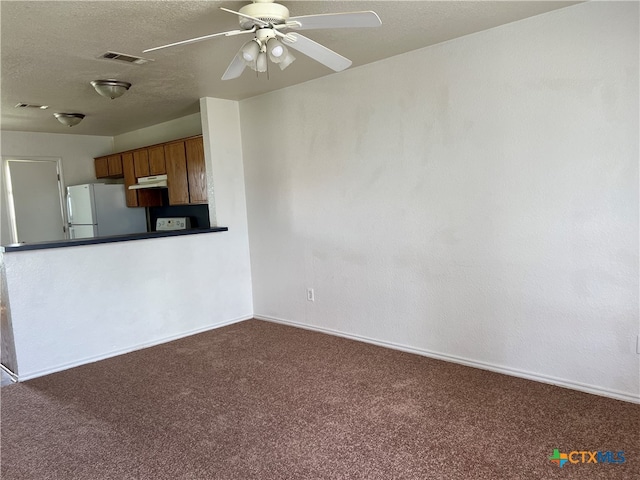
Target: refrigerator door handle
(69, 208)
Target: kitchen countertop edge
(21, 247)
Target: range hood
(156, 181)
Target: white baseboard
(114, 353)
(560, 382)
(6, 370)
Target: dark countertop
(21, 247)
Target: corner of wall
(225, 177)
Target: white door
(35, 200)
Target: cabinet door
(137, 198)
(115, 165)
(175, 158)
(196, 170)
(129, 179)
(146, 197)
(141, 163)
(102, 167)
(156, 161)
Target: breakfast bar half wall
(71, 306)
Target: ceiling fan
(274, 30)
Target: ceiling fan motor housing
(266, 11)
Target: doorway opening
(35, 199)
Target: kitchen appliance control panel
(173, 223)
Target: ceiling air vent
(31, 105)
(123, 57)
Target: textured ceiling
(49, 53)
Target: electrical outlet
(310, 296)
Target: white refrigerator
(100, 209)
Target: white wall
(162, 132)
(476, 200)
(76, 151)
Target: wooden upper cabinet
(134, 163)
(129, 179)
(109, 166)
(115, 165)
(141, 163)
(176, 161)
(102, 167)
(181, 160)
(196, 172)
(157, 164)
(149, 161)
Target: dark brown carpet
(263, 401)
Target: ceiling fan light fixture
(69, 119)
(286, 61)
(250, 51)
(261, 62)
(111, 88)
(276, 50)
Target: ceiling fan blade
(200, 39)
(262, 23)
(335, 20)
(318, 52)
(235, 68)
